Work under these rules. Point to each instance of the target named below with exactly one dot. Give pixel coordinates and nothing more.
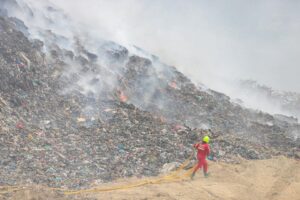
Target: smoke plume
(212, 42)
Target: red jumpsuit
(203, 152)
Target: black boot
(193, 175)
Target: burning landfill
(70, 118)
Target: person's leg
(205, 168)
(199, 165)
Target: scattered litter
(48, 136)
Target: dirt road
(274, 179)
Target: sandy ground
(276, 179)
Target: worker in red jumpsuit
(203, 152)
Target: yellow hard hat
(205, 139)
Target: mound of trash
(76, 117)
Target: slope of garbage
(287, 103)
(91, 115)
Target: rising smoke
(212, 42)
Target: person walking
(203, 151)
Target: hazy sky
(212, 41)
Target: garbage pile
(288, 102)
(75, 118)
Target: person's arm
(199, 146)
(209, 156)
(208, 150)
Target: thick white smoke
(213, 42)
(208, 40)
